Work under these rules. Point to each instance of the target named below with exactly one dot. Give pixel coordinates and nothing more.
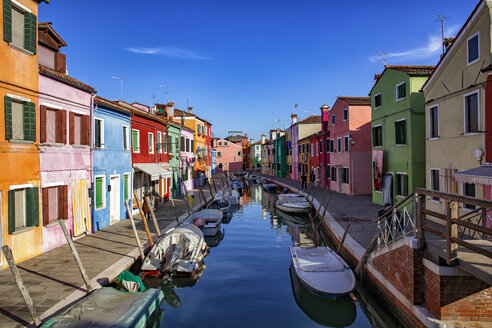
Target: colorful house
(247, 155)
(279, 153)
(255, 155)
(264, 155)
(314, 145)
(175, 147)
(304, 159)
(398, 132)
(295, 155)
(229, 156)
(324, 147)
(302, 129)
(350, 145)
(65, 143)
(112, 162)
(458, 121)
(187, 158)
(288, 151)
(20, 194)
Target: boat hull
(289, 209)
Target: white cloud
(174, 52)
(432, 48)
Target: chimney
(190, 110)
(294, 118)
(170, 109)
(325, 108)
(251, 141)
(262, 138)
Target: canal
(247, 281)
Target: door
(114, 199)
(80, 201)
(388, 189)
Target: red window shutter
(46, 210)
(42, 130)
(86, 131)
(63, 135)
(58, 126)
(60, 63)
(63, 202)
(71, 127)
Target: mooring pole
(175, 212)
(343, 238)
(152, 214)
(200, 197)
(215, 187)
(144, 220)
(134, 228)
(204, 197)
(210, 189)
(77, 257)
(321, 203)
(20, 284)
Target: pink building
(324, 147)
(349, 123)
(229, 155)
(65, 143)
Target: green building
(255, 156)
(174, 136)
(398, 132)
(280, 155)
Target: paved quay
(53, 279)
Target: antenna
(384, 57)
(121, 88)
(166, 92)
(442, 18)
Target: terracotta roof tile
(111, 104)
(311, 119)
(311, 136)
(356, 100)
(413, 69)
(65, 78)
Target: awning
(479, 175)
(155, 171)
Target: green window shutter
(7, 20)
(403, 132)
(30, 32)
(11, 210)
(405, 187)
(8, 117)
(125, 187)
(29, 114)
(99, 191)
(32, 207)
(135, 140)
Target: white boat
(293, 205)
(207, 220)
(180, 251)
(322, 271)
(232, 195)
(221, 204)
(289, 195)
(269, 186)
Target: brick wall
(404, 269)
(476, 307)
(432, 292)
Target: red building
(316, 147)
(324, 148)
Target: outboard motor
(286, 190)
(170, 256)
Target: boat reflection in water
(214, 241)
(294, 219)
(326, 312)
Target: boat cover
(317, 260)
(108, 307)
(131, 282)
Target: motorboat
(221, 204)
(293, 205)
(288, 195)
(109, 307)
(207, 220)
(322, 271)
(178, 252)
(340, 312)
(269, 186)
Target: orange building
(20, 178)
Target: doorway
(114, 199)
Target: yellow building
(455, 111)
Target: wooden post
(204, 197)
(20, 284)
(200, 197)
(144, 220)
(175, 212)
(451, 232)
(321, 203)
(210, 189)
(365, 257)
(326, 206)
(77, 257)
(215, 187)
(343, 238)
(420, 220)
(134, 228)
(152, 214)
(309, 193)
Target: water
(247, 281)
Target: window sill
(378, 191)
(400, 196)
(16, 47)
(377, 107)
(17, 141)
(377, 147)
(99, 209)
(473, 62)
(400, 145)
(21, 230)
(80, 146)
(466, 134)
(397, 100)
(52, 144)
(52, 224)
(434, 138)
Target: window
(450, 185)
(55, 204)
(472, 114)
(19, 26)
(79, 129)
(377, 136)
(164, 143)
(126, 186)
(434, 122)
(159, 142)
(53, 125)
(377, 101)
(100, 192)
(320, 144)
(220, 143)
(327, 172)
(20, 119)
(345, 175)
(346, 143)
(136, 140)
(339, 144)
(172, 145)
(400, 132)
(238, 153)
(333, 119)
(23, 205)
(198, 128)
(192, 145)
(312, 151)
(225, 143)
(182, 143)
(469, 189)
(187, 144)
(434, 181)
(327, 145)
(220, 165)
(332, 145)
(219, 154)
(400, 91)
(98, 133)
(126, 138)
(345, 114)
(151, 143)
(333, 174)
(401, 184)
(473, 49)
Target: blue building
(112, 162)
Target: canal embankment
(54, 280)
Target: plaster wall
(186, 156)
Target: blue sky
(243, 64)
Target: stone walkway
(53, 279)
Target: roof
(311, 136)
(311, 120)
(422, 70)
(111, 104)
(356, 100)
(138, 112)
(179, 112)
(65, 78)
(53, 36)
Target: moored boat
(322, 271)
(207, 220)
(221, 204)
(269, 186)
(293, 205)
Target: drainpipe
(91, 114)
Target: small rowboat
(223, 205)
(322, 271)
(208, 221)
(293, 205)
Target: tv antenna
(383, 60)
(442, 19)
(167, 92)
